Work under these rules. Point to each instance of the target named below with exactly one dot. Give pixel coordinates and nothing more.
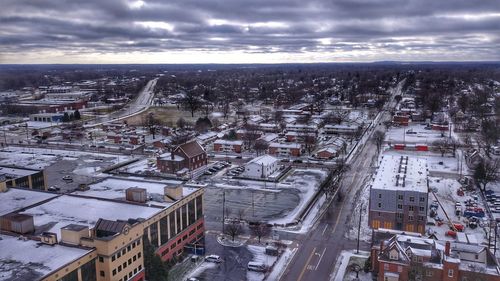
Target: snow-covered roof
(31, 260)
(229, 142)
(264, 160)
(16, 172)
(269, 137)
(63, 210)
(285, 145)
(15, 199)
(401, 173)
(115, 188)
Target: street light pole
(359, 226)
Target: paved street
(141, 103)
(319, 249)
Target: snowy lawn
(342, 272)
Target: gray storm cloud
(415, 29)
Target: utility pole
(223, 209)
(359, 226)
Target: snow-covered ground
(447, 196)
(259, 255)
(420, 135)
(280, 265)
(199, 270)
(341, 272)
(361, 205)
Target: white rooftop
(30, 260)
(115, 188)
(15, 199)
(264, 160)
(401, 173)
(61, 211)
(17, 172)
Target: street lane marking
(307, 263)
(326, 226)
(320, 258)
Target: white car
(213, 258)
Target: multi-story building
(284, 149)
(126, 214)
(399, 194)
(22, 177)
(189, 156)
(228, 146)
(344, 129)
(398, 256)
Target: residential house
(261, 167)
(188, 156)
(285, 149)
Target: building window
(125, 265)
(399, 215)
(101, 273)
(101, 259)
(380, 205)
(450, 272)
(139, 255)
(140, 267)
(400, 197)
(477, 256)
(379, 195)
(411, 208)
(393, 255)
(420, 218)
(421, 208)
(129, 261)
(422, 199)
(119, 268)
(134, 258)
(400, 206)
(410, 218)
(430, 272)
(114, 272)
(412, 199)
(129, 248)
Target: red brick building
(409, 256)
(228, 146)
(285, 149)
(189, 156)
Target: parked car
(67, 178)
(256, 266)
(53, 188)
(213, 258)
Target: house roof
(191, 149)
(264, 160)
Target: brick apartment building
(228, 146)
(399, 256)
(189, 156)
(284, 149)
(399, 194)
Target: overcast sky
(253, 31)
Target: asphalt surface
(140, 104)
(320, 248)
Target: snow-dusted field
(422, 136)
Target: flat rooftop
(115, 188)
(403, 173)
(15, 172)
(31, 260)
(57, 213)
(15, 199)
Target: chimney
(172, 193)
(447, 248)
(172, 156)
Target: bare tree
(233, 229)
(181, 123)
(486, 171)
(191, 102)
(260, 146)
(378, 139)
(260, 230)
